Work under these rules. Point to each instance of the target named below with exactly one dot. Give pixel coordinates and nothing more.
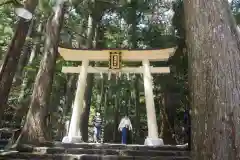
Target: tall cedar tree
(35, 127)
(10, 63)
(214, 63)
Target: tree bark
(34, 130)
(168, 134)
(55, 106)
(133, 40)
(24, 56)
(105, 105)
(9, 66)
(116, 110)
(86, 111)
(213, 47)
(101, 95)
(27, 82)
(137, 109)
(69, 98)
(71, 87)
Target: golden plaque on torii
(115, 59)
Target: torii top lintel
(127, 55)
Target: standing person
(97, 122)
(125, 125)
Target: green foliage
(155, 37)
(7, 19)
(45, 6)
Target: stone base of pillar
(153, 142)
(77, 139)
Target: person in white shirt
(125, 125)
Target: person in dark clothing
(97, 122)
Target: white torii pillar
(152, 139)
(74, 135)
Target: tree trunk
(9, 66)
(89, 86)
(137, 110)
(69, 97)
(103, 116)
(71, 87)
(24, 97)
(133, 39)
(79, 37)
(134, 22)
(213, 47)
(168, 134)
(86, 110)
(34, 130)
(27, 82)
(116, 110)
(101, 96)
(55, 106)
(24, 56)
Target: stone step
(109, 146)
(31, 156)
(125, 152)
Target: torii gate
(115, 57)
